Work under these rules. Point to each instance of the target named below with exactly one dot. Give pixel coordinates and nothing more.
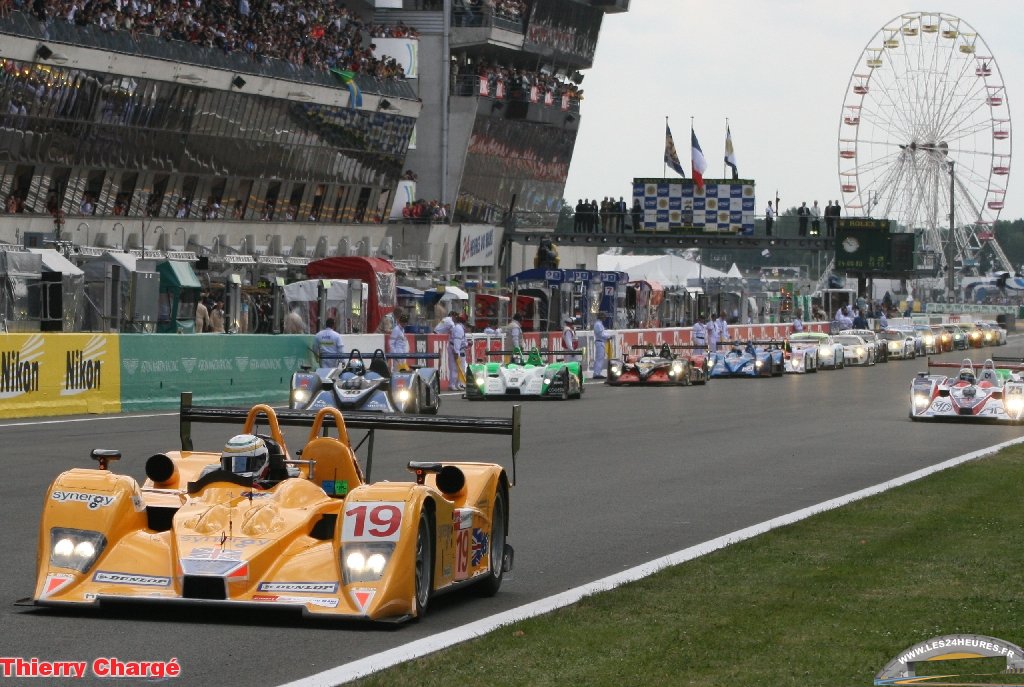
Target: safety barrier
(59, 374)
(62, 374)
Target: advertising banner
(478, 245)
(58, 374)
(219, 369)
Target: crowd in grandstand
(304, 32)
(514, 10)
(423, 211)
(517, 83)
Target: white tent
(734, 271)
(667, 270)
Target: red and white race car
(994, 392)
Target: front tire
(423, 572)
(491, 583)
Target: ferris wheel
(925, 118)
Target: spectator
(815, 220)
(798, 322)
(802, 213)
(601, 337)
(293, 323)
(202, 316)
(217, 318)
(329, 344)
(638, 212)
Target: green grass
(826, 601)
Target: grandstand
(262, 127)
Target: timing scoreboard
(869, 246)
(721, 206)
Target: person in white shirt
(712, 328)
(329, 343)
(569, 340)
(515, 332)
(448, 326)
(601, 336)
(722, 327)
(459, 344)
(397, 343)
(798, 323)
(699, 332)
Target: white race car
(829, 353)
(992, 393)
(900, 343)
(856, 351)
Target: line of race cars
(256, 524)
(374, 386)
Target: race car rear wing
(526, 354)
(998, 362)
(371, 422)
(357, 354)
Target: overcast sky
(777, 69)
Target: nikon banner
(58, 374)
(219, 369)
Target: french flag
(697, 162)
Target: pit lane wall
(219, 369)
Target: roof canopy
(667, 270)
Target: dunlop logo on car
(300, 587)
(125, 578)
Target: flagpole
(664, 162)
(726, 152)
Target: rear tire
(423, 572)
(491, 583)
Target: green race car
(526, 376)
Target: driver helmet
(246, 455)
(355, 366)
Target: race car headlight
(859, 351)
(1014, 403)
(758, 363)
(300, 395)
(403, 395)
(75, 549)
(615, 369)
(920, 400)
(480, 378)
(677, 368)
(366, 562)
(547, 380)
(928, 340)
(825, 352)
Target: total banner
(219, 369)
(58, 374)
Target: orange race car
(251, 525)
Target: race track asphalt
(618, 478)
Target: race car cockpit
(535, 358)
(967, 372)
(988, 373)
